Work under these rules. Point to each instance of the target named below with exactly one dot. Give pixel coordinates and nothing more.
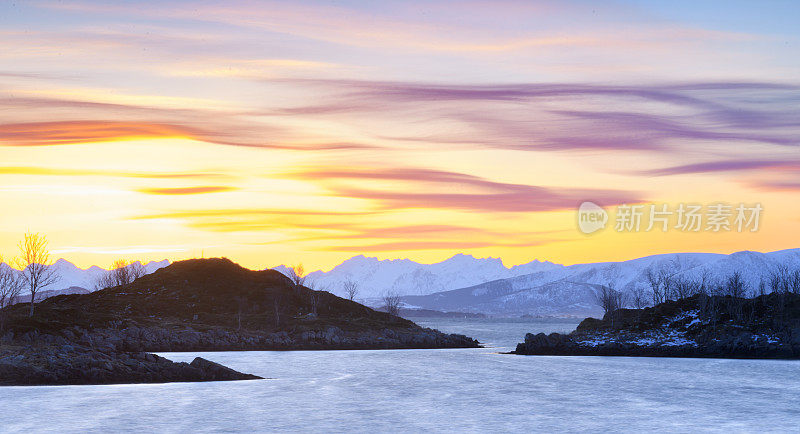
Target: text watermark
(684, 217)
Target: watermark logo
(685, 217)
(591, 217)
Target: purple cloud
(552, 116)
(472, 193)
(725, 166)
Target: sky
(310, 132)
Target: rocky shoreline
(766, 327)
(744, 346)
(124, 355)
(132, 338)
(78, 365)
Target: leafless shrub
(122, 272)
(241, 305)
(735, 286)
(762, 287)
(10, 286)
(315, 299)
(684, 288)
(350, 289)
(639, 297)
(779, 281)
(391, 303)
(794, 282)
(608, 298)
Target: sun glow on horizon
(281, 133)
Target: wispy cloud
(186, 190)
(76, 132)
(422, 245)
(545, 116)
(474, 193)
(726, 166)
(75, 119)
(50, 171)
(203, 213)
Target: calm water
(432, 390)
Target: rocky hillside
(199, 305)
(767, 326)
(213, 304)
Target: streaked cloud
(50, 171)
(727, 166)
(75, 132)
(474, 193)
(421, 245)
(187, 190)
(410, 128)
(535, 116)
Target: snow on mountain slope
(406, 277)
(73, 276)
(569, 290)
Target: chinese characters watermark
(684, 217)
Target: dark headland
(764, 327)
(197, 305)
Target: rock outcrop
(767, 327)
(69, 364)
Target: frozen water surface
(432, 390)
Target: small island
(711, 326)
(108, 336)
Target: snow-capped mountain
(570, 289)
(406, 277)
(73, 276)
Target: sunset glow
(311, 132)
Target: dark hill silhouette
(200, 305)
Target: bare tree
(736, 286)
(122, 272)
(794, 282)
(315, 295)
(241, 305)
(762, 287)
(350, 289)
(314, 299)
(704, 285)
(662, 278)
(779, 280)
(639, 297)
(136, 270)
(684, 288)
(654, 279)
(10, 286)
(391, 302)
(34, 261)
(297, 275)
(609, 299)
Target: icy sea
(466, 390)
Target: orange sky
(286, 133)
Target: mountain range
(406, 277)
(467, 284)
(464, 283)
